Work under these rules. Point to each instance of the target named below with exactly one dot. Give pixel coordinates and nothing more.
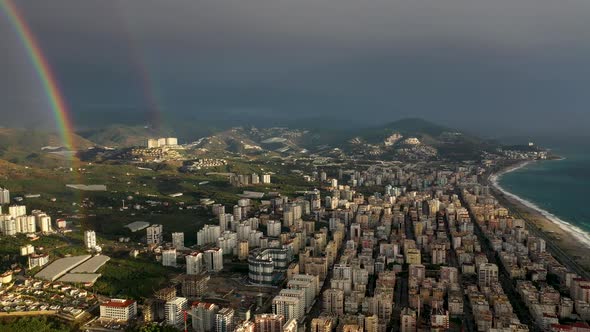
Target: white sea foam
(576, 232)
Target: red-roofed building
(576, 327)
(118, 309)
(561, 328)
(581, 327)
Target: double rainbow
(43, 70)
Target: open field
(132, 277)
(146, 196)
(100, 210)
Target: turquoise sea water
(559, 187)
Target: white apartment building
(224, 320)
(17, 210)
(208, 234)
(286, 306)
(487, 274)
(203, 316)
(89, 239)
(273, 228)
(154, 234)
(178, 240)
(26, 224)
(169, 257)
(299, 294)
(307, 287)
(38, 260)
(213, 259)
(173, 311)
(194, 263)
(118, 309)
(4, 196)
(43, 222)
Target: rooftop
(60, 267)
(91, 265)
(137, 225)
(117, 303)
(80, 278)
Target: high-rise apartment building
(194, 286)
(208, 235)
(290, 307)
(245, 326)
(213, 259)
(18, 210)
(299, 294)
(413, 256)
(224, 320)
(203, 316)
(487, 274)
(322, 324)
(43, 221)
(290, 326)
(371, 323)
(273, 228)
(118, 309)
(174, 311)
(269, 322)
(4, 196)
(89, 239)
(408, 320)
(178, 240)
(194, 263)
(333, 301)
(154, 234)
(307, 286)
(169, 257)
(243, 250)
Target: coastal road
(554, 249)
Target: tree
(32, 324)
(156, 328)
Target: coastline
(574, 241)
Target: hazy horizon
(492, 67)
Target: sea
(557, 188)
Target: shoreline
(566, 236)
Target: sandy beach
(572, 240)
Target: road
(400, 300)
(316, 309)
(468, 318)
(504, 278)
(401, 295)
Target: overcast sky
(505, 66)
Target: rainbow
(149, 86)
(45, 74)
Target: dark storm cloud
(494, 65)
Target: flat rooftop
(60, 267)
(91, 187)
(137, 225)
(92, 265)
(80, 278)
(251, 194)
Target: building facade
(154, 234)
(118, 309)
